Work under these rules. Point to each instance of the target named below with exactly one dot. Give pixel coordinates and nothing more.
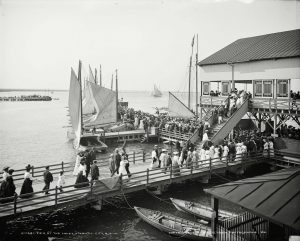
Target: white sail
(156, 92)
(88, 106)
(177, 108)
(75, 107)
(105, 102)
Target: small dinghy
(173, 225)
(199, 210)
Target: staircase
(219, 131)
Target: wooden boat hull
(92, 141)
(173, 225)
(200, 211)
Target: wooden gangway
(142, 178)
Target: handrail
(149, 177)
(246, 101)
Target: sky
(147, 41)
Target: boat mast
(112, 82)
(190, 69)
(100, 76)
(197, 79)
(79, 79)
(95, 76)
(117, 100)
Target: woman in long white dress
(195, 159)
(202, 155)
(216, 154)
(266, 149)
(238, 156)
(271, 148)
(211, 152)
(141, 125)
(77, 163)
(225, 153)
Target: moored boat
(173, 225)
(199, 210)
(92, 141)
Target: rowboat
(90, 141)
(173, 225)
(200, 210)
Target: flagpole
(112, 82)
(79, 79)
(190, 70)
(95, 76)
(117, 100)
(197, 79)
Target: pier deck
(107, 186)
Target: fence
(141, 179)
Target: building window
(258, 88)
(282, 88)
(205, 88)
(225, 88)
(267, 88)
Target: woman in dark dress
(27, 190)
(8, 188)
(81, 180)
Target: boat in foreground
(200, 210)
(91, 141)
(173, 225)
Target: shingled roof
(270, 46)
(274, 196)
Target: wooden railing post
(15, 203)
(192, 167)
(55, 196)
(62, 165)
(121, 181)
(134, 157)
(210, 166)
(171, 170)
(147, 171)
(144, 154)
(32, 171)
(226, 164)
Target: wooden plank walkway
(107, 186)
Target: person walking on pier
(95, 171)
(117, 160)
(48, 178)
(124, 165)
(175, 164)
(5, 173)
(111, 164)
(61, 181)
(8, 187)
(27, 184)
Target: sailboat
(156, 92)
(93, 106)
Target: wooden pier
(142, 178)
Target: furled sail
(177, 108)
(88, 106)
(75, 107)
(105, 103)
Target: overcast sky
(148, 41)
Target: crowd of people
(289, 132)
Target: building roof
(270, 46)
(274, 196)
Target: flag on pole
(193, 40)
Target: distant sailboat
(156, 92)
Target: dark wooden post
(62, 166)
(214, 219)
(144, 154)
(171, 170)
(55, 196)
(32, 171)
(192, 167)
(147, 176)
(226, 164)
(15, 203)
(121, 181)
(134, 157)
(209, 167)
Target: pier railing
(89, 190)
(67, 167)
(176, 135)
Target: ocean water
(33, 132)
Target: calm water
(32, 132)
